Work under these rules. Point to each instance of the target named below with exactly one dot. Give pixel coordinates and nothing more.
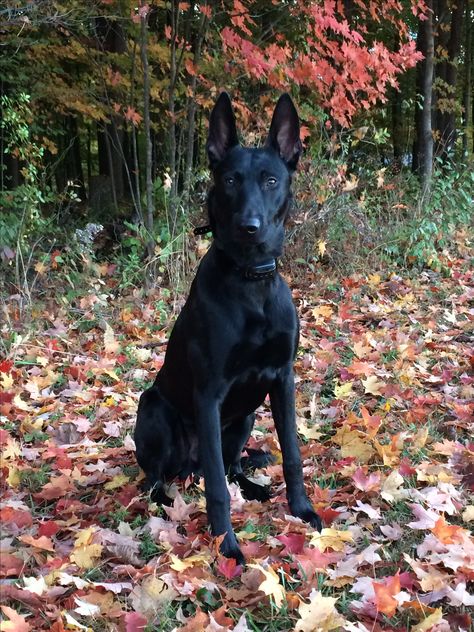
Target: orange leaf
(16, 622)
(44, 543)
(385, 595)
(446, 533)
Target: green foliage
(21, 206)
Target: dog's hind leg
(154, 442)
(234, 439)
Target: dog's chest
(266, 345)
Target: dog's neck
(264, 269)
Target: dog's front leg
(282, 398)
(212, 463)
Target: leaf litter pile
(385, 409)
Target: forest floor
(385, 409)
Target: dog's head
(250, 199)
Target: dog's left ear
(284, 134)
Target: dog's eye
(271, 181)
(229, 181)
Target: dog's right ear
(222, 130)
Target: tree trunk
(148, 145)
(111, 38)
(467, 89)
(448, 46)
(171, 109)
(192, 109)
(423, 148)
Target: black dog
(235, 339)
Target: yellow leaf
(19, 403)
(391, 491)
(86, 556)
(353, 444)
(321, 247)
(40, 267)
(320, 615)
(372, 385)
(271, 585)
(118, 481)
(374, 280)
(343, 390)
(390, 453)
(111, 374)
(420, 438)
(331, 539)
(13, 478)
(350, 184)
(360, 132)
(427, 624)
(306, 431)
(193, 560)
(84, 537)
(6, 380)
(361, 350)
(468, 513)
(12, 450)
(110, 344)
(322, 312)
(151, 596)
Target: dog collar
(203, 230)
(262, 271)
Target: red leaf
(48, 528)
(10, 565)
(294, 542)
(135, 622)
(228, 567)
(5, 366)
(20, 518)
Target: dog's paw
(230, 548)
(307, 514)
(253, 491)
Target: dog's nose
(251, 226)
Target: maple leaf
(447, 533)
(85, 608)
(15, 622)
(430, 622)
(44, 543)
(133, 116)
(135, 622)
(331, 539)
(391, 491)
(229, 568)
(271, 585)
(385, 595)
(372, 385)
(319, 615)
(180, 510)
(353, 444)
(366, 483)
(85, 552)
(152, 596)
(294, 542)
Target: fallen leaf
(271, 585)
(319, 615)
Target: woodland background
(103, 174)
(104, 117)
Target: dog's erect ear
(284, 134)
(222, 131)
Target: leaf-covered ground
(385, 410)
